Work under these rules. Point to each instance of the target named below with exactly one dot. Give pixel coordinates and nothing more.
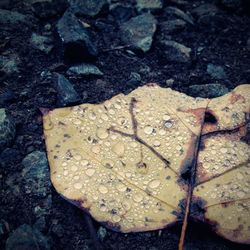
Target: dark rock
(149, 4)
(87, 7)
(172, 26)
(35, 174)
(138, 32)
(134, 79)
(9, 155)
(216, 72)
(173, 12)
(44, 207)
(9, 65)
(13, 18)
(66, 93)
(84, 69)
(25, 237)
(205, 9)
(77, 40)
(40, 224)
(7, 129)
(101, 233)
(6, 95)
(42, 43)
(121, 12)
(58, 230)
(4, 228)
(176, 52)
(232, 4)
(208, 90)
(48, 8)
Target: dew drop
(102, 133)
(77, 185)
(168, 124)
(90, 172)
(77, 157)
(121, 187)
(154, 184)
(126, 205)
(102, 189)
(223, 150)
(240, 194)
(77, 122)
(137, 197)
(96, 149)
(119, 149)
(148, 130)
(92, 116)
(103, 208)
(162, 132)
(108, 164)
(84, 163)
(166, 117)
(66, 172)
(74, 168)
(116, 218)
(240, 176)
(157, 143)
(64, 164)
(111, 111)
(133, 144)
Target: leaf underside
(145, 160)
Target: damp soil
(225, 43)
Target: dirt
(225, 43)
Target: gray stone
(48, 8)
(6, 95)
(101, 233)
(84, 69)
(138, 32)
(44, 207)
(42, 43)
(176, 52)
(26, 238)
(149, 4)
(216, 72)
(134, 78)
(40, 224)
(121, 12)
(12, 18)
(35, 174)
(175, 12)
(66, 93)
(172, 26)
(58, 230)
(87, 7)
(205, 9)
(7, 129)
(77, 40)
(9, 65)
(208, 90)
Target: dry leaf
(156, 156)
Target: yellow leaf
(140, 161)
